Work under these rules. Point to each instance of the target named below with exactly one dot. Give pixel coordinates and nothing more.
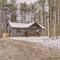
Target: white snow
(45, 41)
(27, 1)
(22, 25)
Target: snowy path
(41, 40)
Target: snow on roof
(22, 25)
(41, 26)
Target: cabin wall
(16, 33)
(24, 32)
(9, 30)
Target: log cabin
(24, 29)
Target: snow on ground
(45, 41)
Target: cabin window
(18, 30)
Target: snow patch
(45, 41)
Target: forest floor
(14, 48)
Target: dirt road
(23, 50)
